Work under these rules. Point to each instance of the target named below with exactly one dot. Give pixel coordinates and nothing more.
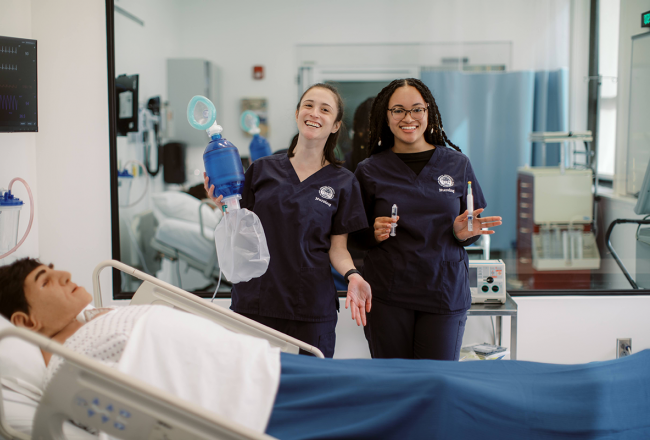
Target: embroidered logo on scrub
(326, 192)
(446, 182)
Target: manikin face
(54, 301)
(316, 116)
(408, 130)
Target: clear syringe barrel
(470, 207)
(393, 215)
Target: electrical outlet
(623, 347)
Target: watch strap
(350, 272)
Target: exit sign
(645, 19)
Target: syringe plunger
(470, 207)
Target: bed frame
(155, 291)
(104, 399)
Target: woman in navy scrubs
(307, 204)
(419, 277)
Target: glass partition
(494, 84)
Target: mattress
(187, 238)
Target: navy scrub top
(423, 267)
(298, 220)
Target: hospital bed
(185, 232)
(83, 387)
(351, 398)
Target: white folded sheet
(233, 375)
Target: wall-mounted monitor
(126, 90)
(18, 85)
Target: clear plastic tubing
(393, 215)
(470, 207)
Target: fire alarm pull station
(258, 72)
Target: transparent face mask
(201, 113)
(250, 122)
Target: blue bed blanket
(422, 399)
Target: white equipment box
(560, 197)
(487, 281)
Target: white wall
(18, 150)
(266, 33)
(70, 153)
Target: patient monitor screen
(18, 109)
(473, 276)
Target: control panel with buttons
(487, 281)
(114, 419)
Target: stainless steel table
(499, 310)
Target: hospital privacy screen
(18, 85)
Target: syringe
(470, 207)
(393, 215)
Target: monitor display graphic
(18, 85)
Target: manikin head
(40, 298)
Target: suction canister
(10, 207)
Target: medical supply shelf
(498, 310)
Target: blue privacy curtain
(550, 113)
(490, 116)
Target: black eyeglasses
(399, 113)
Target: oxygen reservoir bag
(241, 246)
(239, 237)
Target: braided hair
(381, 138)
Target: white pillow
(182, 206)
(22, 367)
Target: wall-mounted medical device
(126, 90)
(487, 281)
(18, 97)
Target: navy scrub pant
(396, 332)
(319, 334)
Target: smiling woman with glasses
(418, 275)
(399, 113)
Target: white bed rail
(99, 397)
(155, 291)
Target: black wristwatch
(350, 272)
